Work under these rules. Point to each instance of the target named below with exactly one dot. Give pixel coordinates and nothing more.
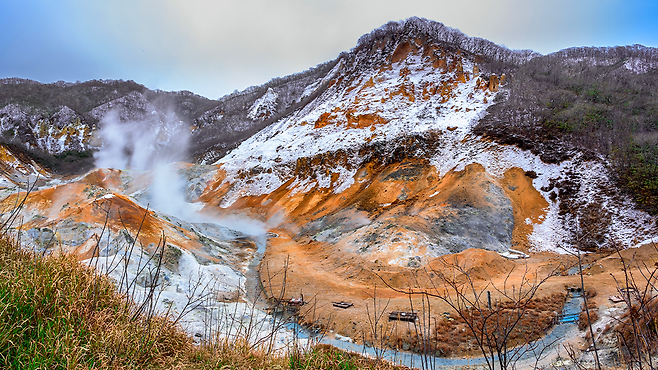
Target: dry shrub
(452, 337)
(538, 317)
(583, 323)
(638, 329)
(582, 319)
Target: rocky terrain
(362, 173)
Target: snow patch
(264, 107)
(282, 143)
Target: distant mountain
(417, 144)
(56, 122)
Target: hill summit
(417, 144)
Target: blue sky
(212, 47)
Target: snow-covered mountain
(406, 98)
(409, 147)
(404, 103)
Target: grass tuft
(57, 313)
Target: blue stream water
(550, 341)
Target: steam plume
(155, 147)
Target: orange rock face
(494, 83)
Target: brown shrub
(638, 328)
(582, 318)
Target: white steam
(166, 194)
(148, 146)
(155, 147)
(140, 145)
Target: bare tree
(637, 329)
(375, 325)
(495, 324)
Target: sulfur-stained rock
(494, 82)
(460, 72)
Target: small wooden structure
(570, 318)
(402, 316)
(342, 304)
(616, 299)
(291, 305)
(296, 302)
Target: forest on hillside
(601, 101)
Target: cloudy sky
(212, 47)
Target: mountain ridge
(230, 115)
(400, 155)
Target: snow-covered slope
(405, 98)
(264, 107)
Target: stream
(541, 348)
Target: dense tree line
(603, 101)
(46, 99)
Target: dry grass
(58, 314)
(328, 357)
(583, 322)
(638, 329)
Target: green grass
(327, 357)
(57, 314)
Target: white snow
(310, 89)
(275, 149)
(343, 338)
(264, 106)
(295, 136)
